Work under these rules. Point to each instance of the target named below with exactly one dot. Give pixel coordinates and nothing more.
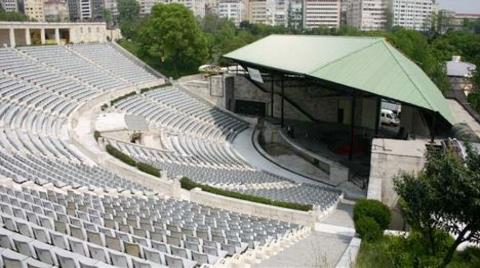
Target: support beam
(377, 114)
(352, 126)
(272, 96)
(11, 32)
(432, 127)
(57, 36)
(28, 39)
(282, 103)
(42, 36)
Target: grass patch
(189, 184)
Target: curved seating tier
(55, 226)
(111, 59)
(198, 140)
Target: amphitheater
(65, 202)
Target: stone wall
(391, 158)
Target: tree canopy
(445, 196)
(12, 16)
(172, 36)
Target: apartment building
(321, 13)
(413, 14)
(367, 15)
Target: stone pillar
(28, 39)
(57, 36)
(12, 37)
(42, 36)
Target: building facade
(368, 15)
(233, 10)
(412, 14)
(34, 10)
(9, 5)
(56, 11)
(321, 13)
(257, 11)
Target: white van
(388, 117)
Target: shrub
(374, 209)
(368, 228)
(122, 97)
(96, 135)
(148, 169)
(188, 184)
(119, 155)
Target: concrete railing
(349, 256)
(307, 218)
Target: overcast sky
(463, 6)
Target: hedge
(143, 90)
(368, 229)
(121, 156)
(375, 209)
(122, 97)
(96, 135)
(148, 169)
(188, 184)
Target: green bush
(374, 209)
(119, 155)
(96, 135)
(188, 184)
(122, 97)
(148, 169)
(368, 229)
(474, 101)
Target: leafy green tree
(444, 196)
(128, 17)
(12, 16)
(171, 35)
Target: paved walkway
(317, 250)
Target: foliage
(122, 97)
(411, 251)
(444, 196)
(97, 135)
(120, 155)
(368, 229)
(12, 16)
(128, 17)
(148, 169)
(374, 209)
(131, 162)
(171, 35)
(474, 101)
(188, 184)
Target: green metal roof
(369, 64)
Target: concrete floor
(317, 250)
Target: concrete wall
(390, 158)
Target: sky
(461, 6)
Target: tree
(128, 17)
(12, 16)
(444, 196)
(172, 35)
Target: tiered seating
(198, 147)
(80, 228)
(170, 108)
(63, 60)
(111, 59)
(35, 74)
